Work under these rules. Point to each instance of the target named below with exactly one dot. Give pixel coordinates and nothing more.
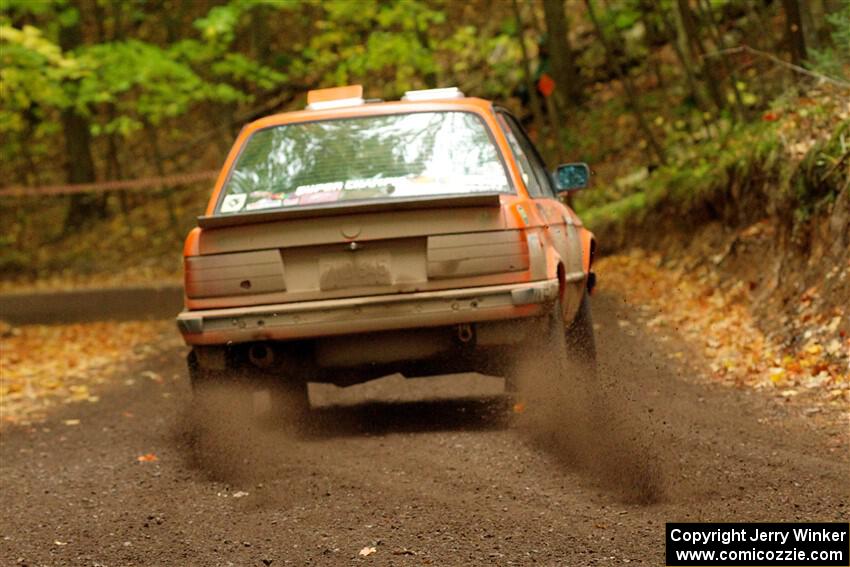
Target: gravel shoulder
(432, 471)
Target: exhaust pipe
(261, 355)
(464, 332)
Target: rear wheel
(552, 348)
(541, 355)
(557, 351)
(580, 344)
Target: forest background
(115, 114)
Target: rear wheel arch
(592, 253)
(588, 249)
(561, 272)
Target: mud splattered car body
(354, 239)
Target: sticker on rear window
(333, 187)
(233, 203)
(353, 184)
(320, 197)
(264, 203)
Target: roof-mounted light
(335, 97)
(433, 94)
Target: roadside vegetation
(799, 146)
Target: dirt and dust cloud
(585, 416)
(587, 419)
(237, 436)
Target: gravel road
(441, 471)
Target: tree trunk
(113, 162)
(628, 86)
(564, 71)
(716, 35)
(555, 123)
(811, 14)
(533, 95)
(653, 39)
(691, 44)
(159, 163)
(684, 60)
(260, 44)
(759, 33)
(82, 207)
(794, 31)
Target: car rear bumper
(310, 319)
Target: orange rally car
(359, 238)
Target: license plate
(354, 269)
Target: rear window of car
(374, 157)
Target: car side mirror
(572, 177)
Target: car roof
(446, 99)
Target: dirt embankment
(767, 209)
(781, 242)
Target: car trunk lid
(356, 250)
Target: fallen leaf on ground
(367, 551)
(46, 365)
(151, 375)
(714, 317)
(147, 458)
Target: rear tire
(558, 349)
(580, 343)
(544, 351)
(553, 350)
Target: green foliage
(487, 63)
(32, 73)
(360, 41)
(834, 61)
(622, 23)
(619, 16)
(754, 156)
(145, 82)
(36, 8)
(221, 23)
(821, 175)
(616, 212)
(223, 60)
